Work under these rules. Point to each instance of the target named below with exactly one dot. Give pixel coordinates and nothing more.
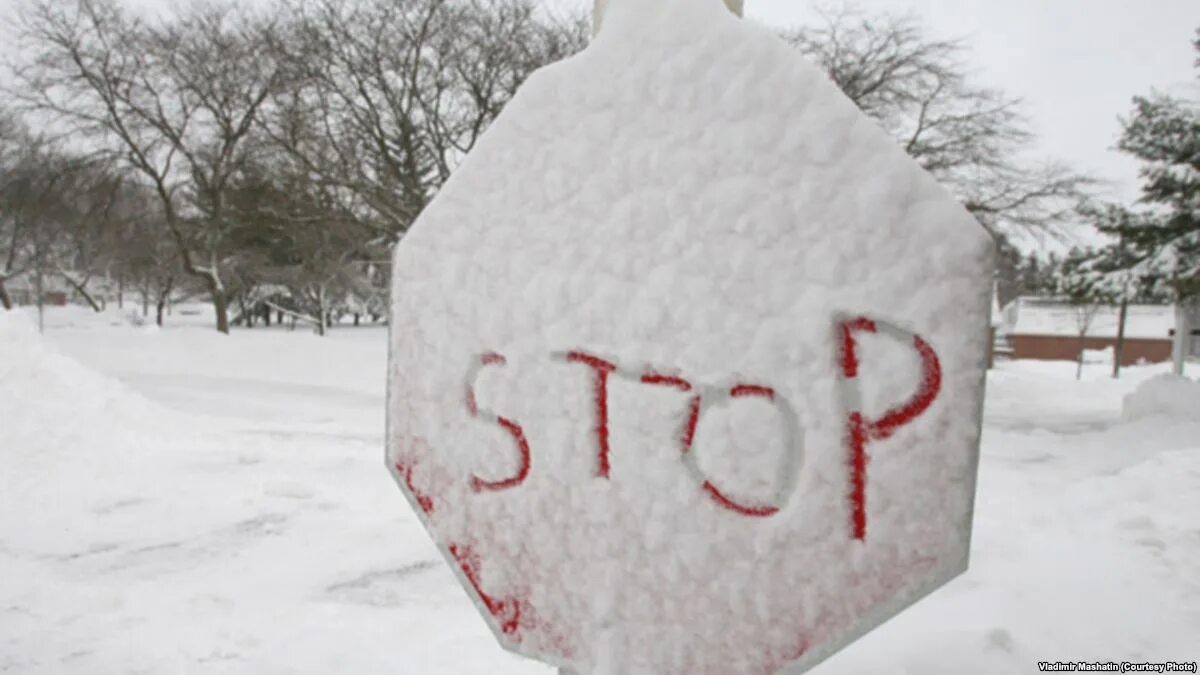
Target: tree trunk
(266, 312)
(221, 306)
(120, 292)
(5, 300)
(82, 291)
(1079, 363)
(1119, 350)
(322, 314)
(145, 301)
(220, 303)
(246, 314)
(40, 288)
(162, 301)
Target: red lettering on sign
(513, 429)
(931, 384)
(679, 383)
(492, 358)
(726, 502)
(752, 390)
(518, 434)
(601, 369)
(859, 430)
(487, 359)
(424, 501)
(689, 427)
(849, 346)
(507, 611)
(693, 415)
(693, 420)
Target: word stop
(860, 430)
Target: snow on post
(599, 6)
(687, 359)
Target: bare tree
(971, 138)
(60, 215)
(176, 102)
(12, 138)
(1084, 313)
(93, 205)
(147, 256)
(357, 110)
(33, 207)
(1085, 296)
(389, 96)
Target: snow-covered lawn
(177, 501)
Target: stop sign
(687, 359)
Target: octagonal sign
(687, 359)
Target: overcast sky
(1076, 63)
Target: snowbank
(1166, 395)
(70, 439)
(45, 394)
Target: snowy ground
(179, 501)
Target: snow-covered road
(180, 502)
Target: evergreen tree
(1157, 250)
(1123, 270)
(1163, 245)
(1031, 280)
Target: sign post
(687, 359)
(1182, 336)
(599, 6)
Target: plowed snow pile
(44, 386)
(137, 537)
(1167, 396)
(71, 440)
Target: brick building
(1048, 329)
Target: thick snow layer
(1165, 395)
(685, 209)
(261, 537)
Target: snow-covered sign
(687, 359)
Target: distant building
(1048, 329)
(22, 291)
